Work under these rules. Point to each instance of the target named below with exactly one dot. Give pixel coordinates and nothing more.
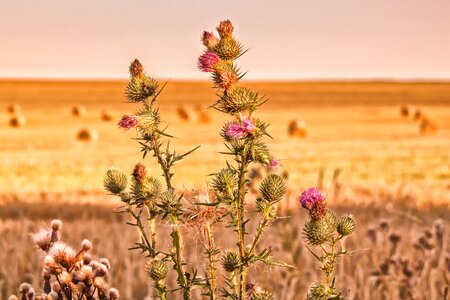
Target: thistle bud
(230, 261)
(224, 183)
(225, 29)
(140, 88)
(272, 188)
(209, 40)
(319, 291)
(128, 122)
(136, 68)
(207, 61)
(149, 120)
(157, 270)
(13, 297)
(86, 245)
(56, 225)
(139, 172)
(263, 295)
(113, 294)
(225, 79)
(238, 100)
(115, 181)
(147, 190)
(346, 225)
(320, 231)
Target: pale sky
(314, 39)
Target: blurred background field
(367, 157)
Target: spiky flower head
(157, 270)
(115, 181)
(311, 196)
(209, 40)
(139, 172)
(346, 225)
(140, 88)
(136, 68)
(318, 210)
(225, 79)
(273, 188)
(228, 49)
(319, 291)
(235, 131)
(225, 29)
(128, 122)
(230, 261)
(207, 61)
(263, 295)
(149, 120)
(266, 208)
(42, 238)
(238, 100)
(146, 191)
(224, 183)
(170, 204)
(320, 231)
(248, 125)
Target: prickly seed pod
(263, 295)
(258, 152)
(140, 88)
(319, 291)
(209, 40)
(157, 270)
(115, 181)
(238, 100)
(273, 188)
(145, 191)
(224, 182)
(346, 225)
(321, 231)
(231, 261)
(228, 49)
(136, 68)
(318, 211)
(170, 204)
(149, 120)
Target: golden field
(367, 157)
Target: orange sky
(314, 39)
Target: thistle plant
(325, 231)
(68, 274)
(243, 135)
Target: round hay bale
(418, 115)
(297, 128)
(78, 111)
(183, 113)
(427, 126)
(17, 121)
(87, 135)
(405, 111)
(204, 116)
(107, 116)
(14, 109)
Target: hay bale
(297, 128)
(87, 135)
(427, 126)
(418, 115)
(405, 111)
(107, 116)
(78, 111)
(14, 109)
(204, 116)
(17, 121)
(183, 113)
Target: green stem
(211, 261)
(150, 249)
(178, 260)
(259, 233)
(161, 161)
(162, 289)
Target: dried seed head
(139, 172)
(384, 224)
(225, 29)
(86, 245)
(321, 231)
(100, 283)
(88, 273)
(105, 262)
(87, 259)
(24, 288)
(78, 276)
(65, 277)
(48, 261)
(157, 270)
(136, 68)
(115, 181)
(53, 295)
(113, 294)
(346, 225)
(63, 254)
(13, 297)
(371, 233)
(395, 238)
(56, 225)
(319, 291)
(230, 261)
(318, 210)
(101, 270)
(42, 238)
(56, 287)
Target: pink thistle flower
(128, 122)
(309, 197)
(207, 61)
(236, 131)
(209, 40)
(247, 125)
(274, 164)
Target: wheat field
(368, 158)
